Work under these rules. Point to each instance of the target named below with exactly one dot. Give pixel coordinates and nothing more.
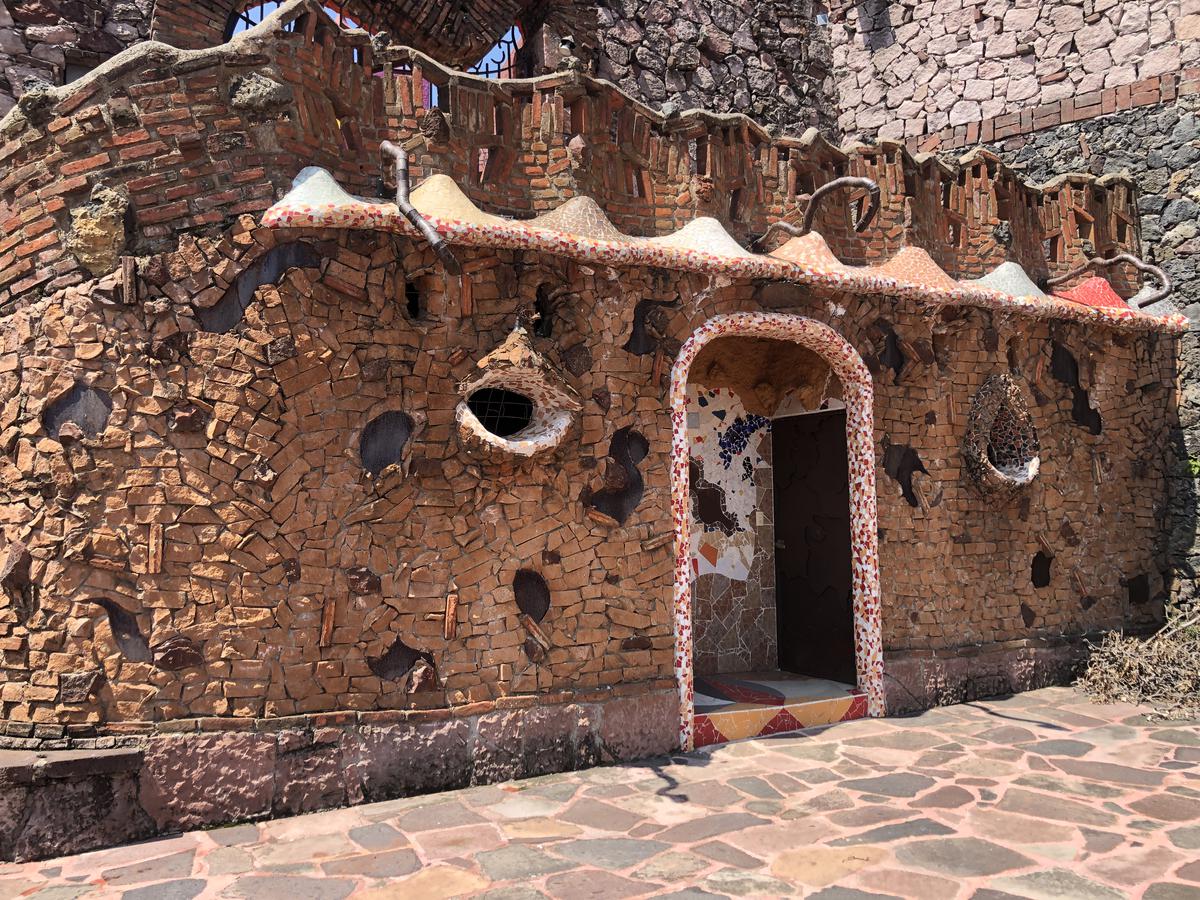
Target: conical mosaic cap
(581, 216)
(439, 197)
(1009, 278)
(809, 251)
(915, 266)
(705, 235)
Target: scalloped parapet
(173, 130)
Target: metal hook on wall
(1165, 286)
(435, 240)
(814, 203)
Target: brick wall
(222, 515)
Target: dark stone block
(177, 653)
(85, 407)
(363, 581)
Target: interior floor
(750, 704)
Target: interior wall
(733, 535)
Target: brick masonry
(223, 516)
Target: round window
(500, 411)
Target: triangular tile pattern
(720, 727)
(782, 721)
(580, 230)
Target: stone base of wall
(922, 679)
(68, 801)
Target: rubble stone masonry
(910, 68)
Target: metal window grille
(254, 14)
(501, 412)
(501, 60)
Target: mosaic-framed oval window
(1001, 445)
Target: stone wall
(1160, 147)
(190, 532)
(911, 68)
(764, 58)
(59, 802)
(44, 41)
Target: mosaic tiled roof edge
(317, 201)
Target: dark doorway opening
(814, 585)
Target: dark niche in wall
(1138, 588)
(708, 501)
(130, 640)
(650, 323)
(1065, 370)
(382, 442)
(900, 461)
(15, 579)
(412, 300)
(544, 307)
(1039, 571)
(227, 312)
(623, 484)
(397, 662)
(500, 411)
(532, 594)
(87, 408)
(890, 356)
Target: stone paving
(1043, 795)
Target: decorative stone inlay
(516, 367)
(1001, 445)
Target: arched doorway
(858, 397)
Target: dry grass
(1162, 671)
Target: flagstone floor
(1043, 795)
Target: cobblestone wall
(909, 68)
(40, 39)
(188, 529)
(765, 59)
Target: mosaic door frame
(858, 395)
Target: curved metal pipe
(1164, 281)
(814, 203)
(435, 240)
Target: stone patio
(1042, 795)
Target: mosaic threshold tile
(736, 706)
